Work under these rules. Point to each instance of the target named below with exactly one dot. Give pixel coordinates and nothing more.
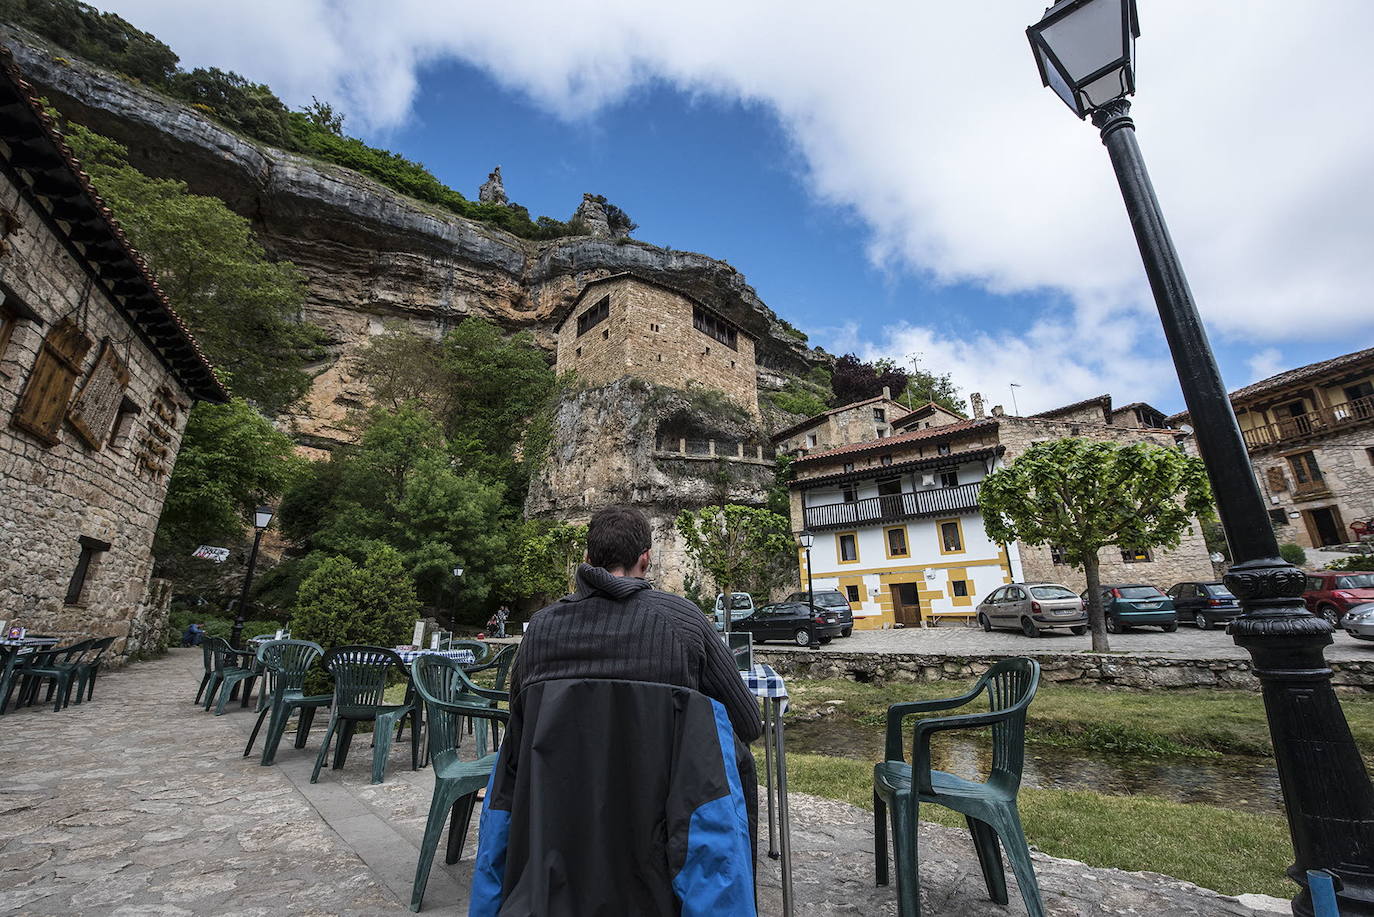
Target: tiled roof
(1104, 400)
(38, 153)
(817, 418)
(1295, 376)
(924, 410)
(882, 445)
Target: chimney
(976, 400)
(997, 411)
(887, 393)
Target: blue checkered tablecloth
(31, 641)
(762, 681)
(463, 656)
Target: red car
(1332, 594)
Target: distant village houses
(97, 376)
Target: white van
(741, 607)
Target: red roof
(882, 445)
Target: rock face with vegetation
(370, 254)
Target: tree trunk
(728, 598)
(1097, 621)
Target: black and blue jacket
(617, 798)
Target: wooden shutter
(44, 401)
(96, 406)
(1277, 479)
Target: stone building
(1310, 434)
(625, 325)
(97, 375)
(860, 421)
(898, 529)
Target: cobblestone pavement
(140, 804)
(1185, 643)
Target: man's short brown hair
(617, 536)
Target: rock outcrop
(371, 254)
(493, 190)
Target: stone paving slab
(140, 804)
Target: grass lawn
(1230, 852)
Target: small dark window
(1075, 429)
(1305, 468)
(848, 494)
(951, 537)
(579, 351)
(959, 587)
(851, 593)
(942, 449)
(880, 415)
(1370, 452)
(1057, 554)
(594, 316)
(848, 467)
(1278, 517)
(849, 548)
(886, 460)
(606, 334)
(949, 479)
(715, 326)
(90, 547)
(896, 542)
(9, 318)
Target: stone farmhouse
(859, 422)
(898, 529)
(623, 325)
(1310, 434)
(97, 375)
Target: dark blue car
(1134, 605)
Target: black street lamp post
(1085, 50)
(262, 518)
(805, 539)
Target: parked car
(1359, 621)
(830, 600)
(1128, 605)
(788, 621)
(1033, 607)
(741, 607)
(1333, 594)
(1204, 604)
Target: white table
(768, 686)
(461, 656)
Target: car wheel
(1112, 626)
(1330, 614)
(846, 632)
(985, 623)
(1201, 621)
(801, 637)
(1169, 628)
(1078, 630)
(1028, 628)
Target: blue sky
(892, 182)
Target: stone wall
(650, 335)
(1347, 468)
(52, 495)
(1107, 669)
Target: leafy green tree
(343, 602)
(854, 380)
(742, 548)
(546, 559)
(231, 459)
(1084, 495)
(102, 38)
(242, 307)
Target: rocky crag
(372, 255)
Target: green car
(1135, 604)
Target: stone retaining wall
(1111, 670)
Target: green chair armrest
(897, 714)
(485, 713)
(920, 741)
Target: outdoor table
(768, 686)
(30, 641)
(463, 657)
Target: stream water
(1230, 781)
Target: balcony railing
(894, 508)
(1313, 423)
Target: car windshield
(1358, 581)
(1053, 592)
(830, 599)
(1139, 592)
(1219, 591)
(740, 601)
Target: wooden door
(906, 604)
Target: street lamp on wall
(1085, 50)
(262, 518)
(806, 539)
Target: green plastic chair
(222, 667)
(361, 675)
(286, 663)
(481, 652)
(501, 665)
(11, 665)
(988, 807)
(88, 667)
(440, 683)
(59, 668)
(208, 659)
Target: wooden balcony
(1312, 424)
(877, 510)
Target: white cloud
(929, 124)
(1267, 362)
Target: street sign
(210, 552)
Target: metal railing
(1312, 423)
(894, 507)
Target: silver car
(1359, 621)
(1033, 607)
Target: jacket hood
(596, 580)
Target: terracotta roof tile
(901, 439)
(1295, 376)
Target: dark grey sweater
(618, 627)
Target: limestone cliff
(371, 254)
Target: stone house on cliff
(97, 375)
(898, 528)
(1310, 435)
